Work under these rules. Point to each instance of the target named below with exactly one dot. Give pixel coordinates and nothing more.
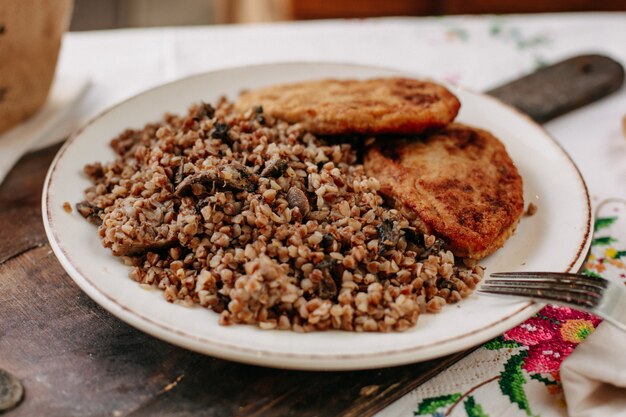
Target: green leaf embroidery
(472, 409)
(603, 222)
(603, 240)
(499, 343)
(540, 62)
(591, 273)
(620, 254)
(532, 42)
(496, 28)
(432, 404)
(512, 382)
(543, 379)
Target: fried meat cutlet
(375, 106)
(459, 184)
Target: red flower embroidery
(551, 336)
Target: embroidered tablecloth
(518, 372)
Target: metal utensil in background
(593, 294)
(562, 87)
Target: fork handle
(562, 87)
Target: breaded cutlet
(374, 106)
(459, 184)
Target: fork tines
(576, 290)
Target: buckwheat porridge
(266, 224)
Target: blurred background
(110, 14)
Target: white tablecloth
(477, 52)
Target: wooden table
(75, 359)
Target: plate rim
(265, 357)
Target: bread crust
(459, 184)
(374, 106)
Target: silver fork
(596, 295)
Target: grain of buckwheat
(266, 224)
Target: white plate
(554, 239)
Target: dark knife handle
(562, 87)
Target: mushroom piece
(136, 248)
(297, 198)
(92, 213)
(204, 110)
(233, 176)
(275, 168)
(328, 285)
(389, 234)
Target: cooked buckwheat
(266, 224)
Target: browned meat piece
(459, 184)
(382, 105)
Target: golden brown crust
(459, 184)
(382, 105)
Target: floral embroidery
(457, 34)
(541, 343)
(575, 331)
(543, 335)
(500, 29)
(433, 404)
(472, 409)
(612, 253)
